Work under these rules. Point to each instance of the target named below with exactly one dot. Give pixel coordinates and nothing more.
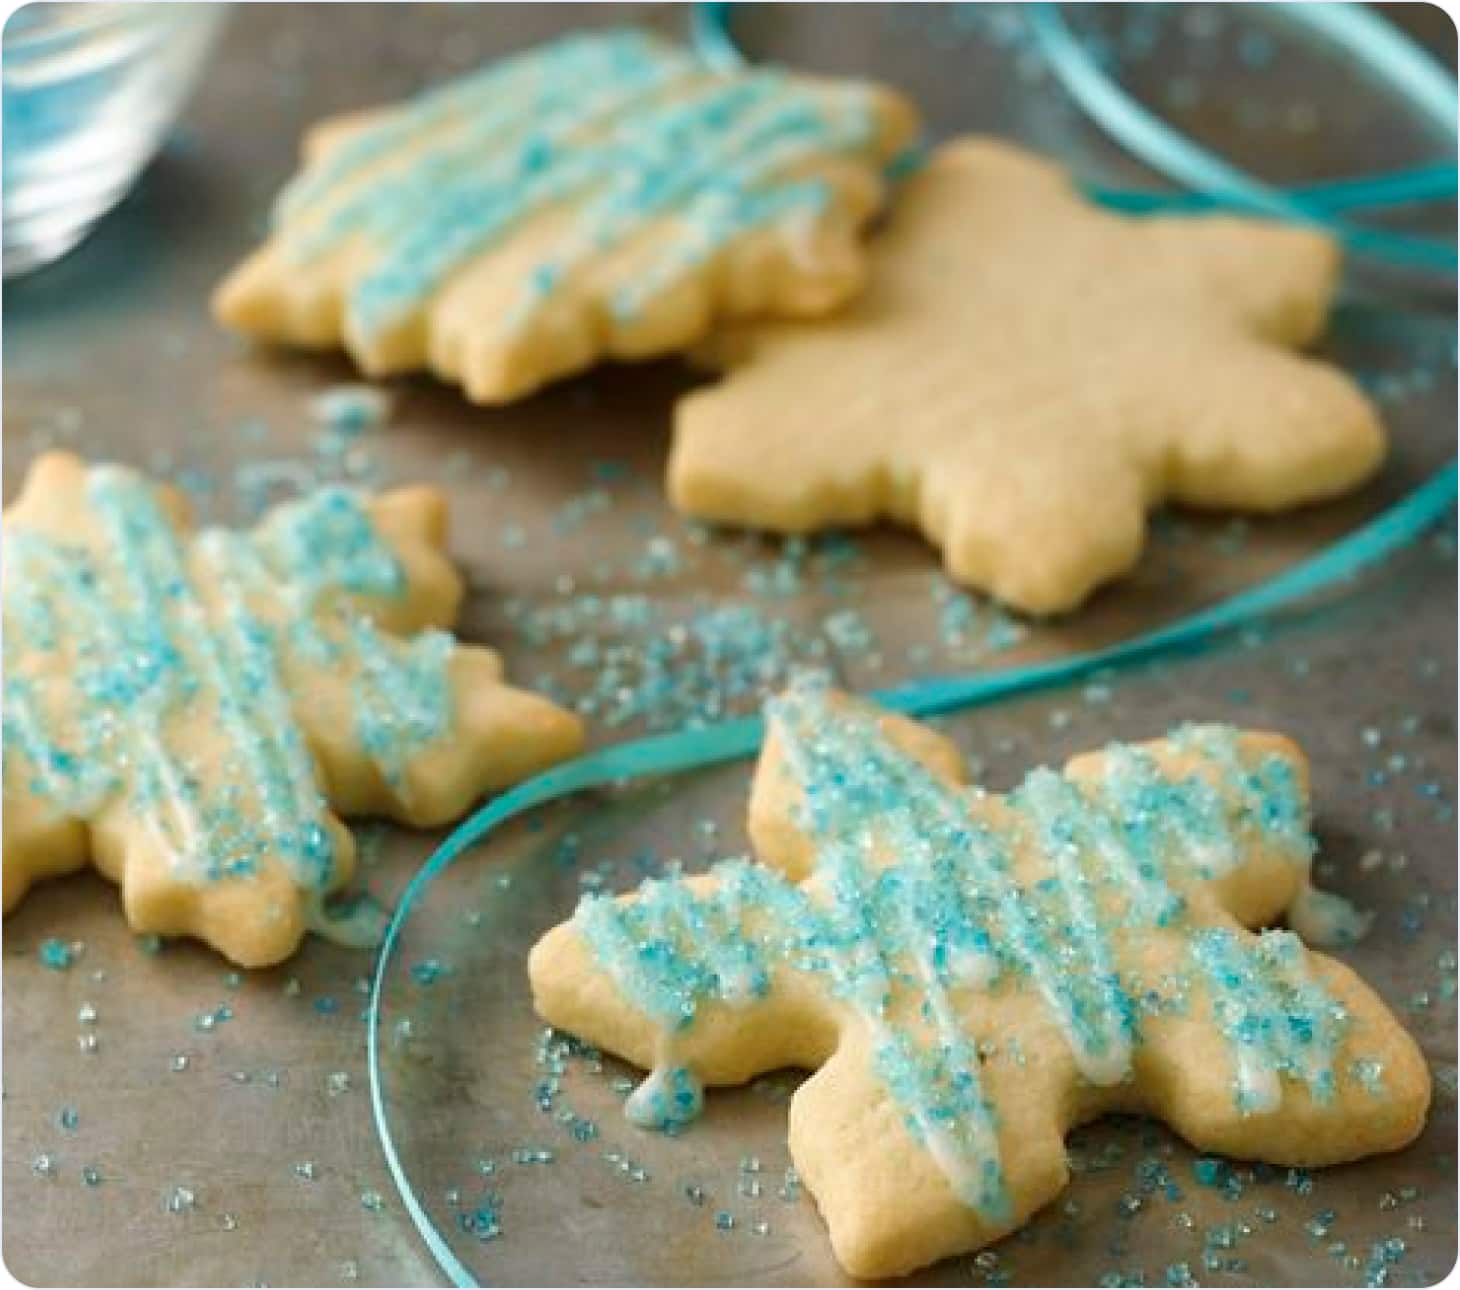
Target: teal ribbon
(1214, 182)
(1435, 183)
(709, 29)
(1178, 157)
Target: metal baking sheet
(259, 1112)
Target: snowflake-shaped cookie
(188, 709)
(607, 195)
(972, 975)
(1026, 376)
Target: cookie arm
(1189, 1076)
(727, 1043)
(321, 539)
(1276, 281)
(776, 796)
(491, 735)
(39, 842)
(1320, 436)
(889, 1207)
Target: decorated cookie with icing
(604, 196)
(188, 709)
(971, 975)
(1026, 376)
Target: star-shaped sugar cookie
(604, 196)
(971, 975)
(1027, 375)
(188, 709)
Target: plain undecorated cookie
(604, 196)
(1026, 376)
(188, 710)
(972, 975)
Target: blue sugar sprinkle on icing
(163, 638)
(1279, 1020)
(670, 1097)
(615, 129)
(402, 695)
(923, 895)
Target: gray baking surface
(112, 352)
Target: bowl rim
(87, 17)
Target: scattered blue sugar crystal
(55, 954)
(850, 633)
(1256, 49)
(1211, 1172)
(1300, 1181)
(724, 1220)
(484, 1221)
(179, 1199)
(371, 1201)
(957, 614)
(350, 409)
(428, 971)
(1383, 1255)
(661, 559)
(790, 1189)
(68, 1118)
